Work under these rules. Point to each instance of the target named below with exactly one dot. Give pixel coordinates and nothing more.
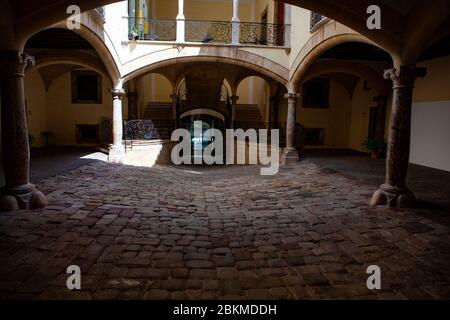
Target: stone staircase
(248, 113)
(161, 115)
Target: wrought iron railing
(208, 31)
(152, 29)
(316, 18)
(205, 31)
(140, 130)
(262, 33)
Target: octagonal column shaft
(394, 192)
(117, 150)
(291, 153)
(18, 193)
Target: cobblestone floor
(209, 233)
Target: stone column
(235, 24)
(117, 151)
(234, 100)
(394, 192)
(181, 22)
(18, 193)
(380, 126)
(291, 153)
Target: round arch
(82, 60)
(168, 57)
(315, 47)
(202, 111)
(92, 31)
(355, 68)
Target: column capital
(292, 97)
(15, 62)
(404, 76)
(118, 93)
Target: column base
(290, 156)
(393, 197)
(25, 197)
(116, 154)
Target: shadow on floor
(431, 186)
(49, 161)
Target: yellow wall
(336, 120)
(361, 103)
(436, 85)
(36, 100)
(254, 90)
(53, 110)
(300, 26)
(201, 10)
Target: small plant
(134, 34)
(378, 148)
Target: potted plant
(134, 34)
(376, 147)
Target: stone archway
(223, 55)
(318, 44)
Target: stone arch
(318, 44)
(50, 58)
(355, 68)
(225, 55)
(92, 30)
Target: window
(316, 93)
(86, 87)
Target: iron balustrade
(140, 130)
(205, 31)
(266, 34)
(316, 18)
(208, 31)
(152, 29)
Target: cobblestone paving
(218, 233)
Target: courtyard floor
(225, 232)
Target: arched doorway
(199, 122)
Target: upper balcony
(205, 31)
(240, 23)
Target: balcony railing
(316, 19)
(153, 29)
(262, 34)
(208, 31)
(204, 31)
